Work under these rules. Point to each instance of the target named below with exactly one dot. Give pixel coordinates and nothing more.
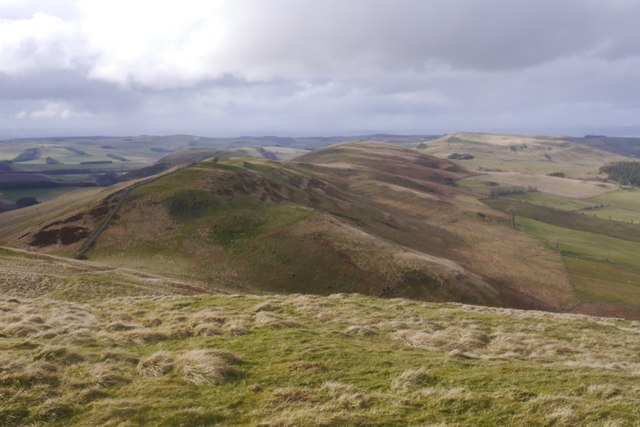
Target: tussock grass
(346, 396)
(158, 364)
(58, 354)
(360, 330)
(425, 364)
(108, 375)
(413, 379)
(265, 318)
(289, 396)
(206, 366)
(120, 356)
(53, 409)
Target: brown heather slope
(446, 222)
(359, 217)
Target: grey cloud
(296, 67)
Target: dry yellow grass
(156, 365)
(205, 366)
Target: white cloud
(51, 110)
(42, 41)
(155, 43)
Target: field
(599, 249)
(572, 188)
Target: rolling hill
(44, 168)
(364, 217)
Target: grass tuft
(413, 379)
(158, 364)
(206, 366)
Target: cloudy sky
(309, 67)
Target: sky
(309, 67)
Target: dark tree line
(503, 191)
(626, 173)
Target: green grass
(599, 282)
(621, 206)
(553, 201)
(588, 245)
(602, 268)
(529, 167)
(626, 199)
(305, 361)
(615, 213)
(573, 220)
(475, 186)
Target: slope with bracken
(359, 217)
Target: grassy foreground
(310, 361)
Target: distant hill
(618, 145)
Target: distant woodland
(626, 173)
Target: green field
(620, 206)
(602, 268)
(599, 239)
(553, 201)
(615, 213)
(569, 219)
(626, 199)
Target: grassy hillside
(361, 217)
(341, 360)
